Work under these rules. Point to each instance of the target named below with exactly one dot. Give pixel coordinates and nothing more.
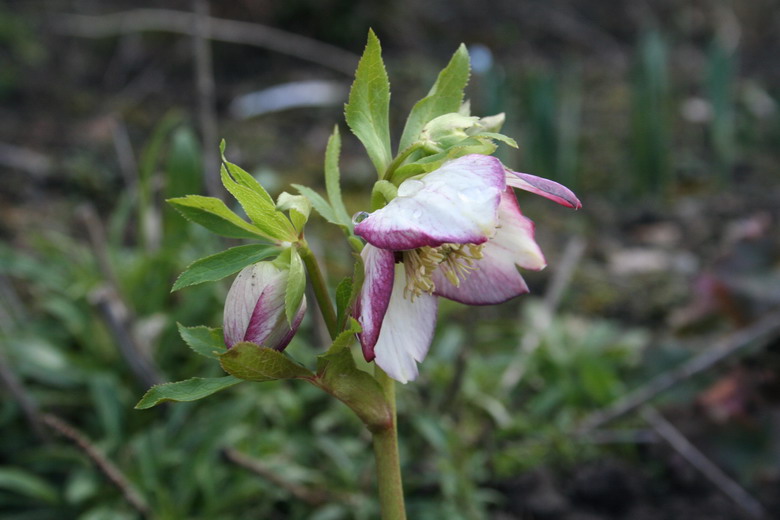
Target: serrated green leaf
(22, 482)
(298, 207)
(203, 340)
(333, 178)
(261, 211)
(498, 137)
(445, 96)
(216, 267)
(296, 285)
(320, 204)
(367, 111)
(255, 363)
(243, 177)
(342, 341)
(212, 214)
(187, 390)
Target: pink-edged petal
(379, 268)
(515, 237)
(496, 279)
(407, 331)
(544, 187)
(283, 333)
(254, 303)
(455, 204)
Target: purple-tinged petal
(544, 187)
(254, 308)
(379, 265)
(283, 333)
(253, 303)
(455, 204)
(407, 331)
(495, 279)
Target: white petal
(407, 331)
(457, 203)
(516, 235)
(495, 278)
(379, 266)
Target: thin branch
(112, 308)
(600, 437)
(765, 329)
(105, 466)
(24, 159)
(232, 31)
(116, 315)
(312, 497)
(204, 81)
(698, 460)
(20, 394)
(532, 338)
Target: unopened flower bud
(254, 308)
(488, 124)
(446, 131)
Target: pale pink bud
(254, 308)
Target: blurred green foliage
(462, 429)
(60, 346)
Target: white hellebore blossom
(254, 308)
(458, 233)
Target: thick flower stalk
(255, 309)
(456, 233)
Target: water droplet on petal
(359, 217)
(410, 187)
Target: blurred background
(638, 380)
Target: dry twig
(310, 496)
(698, 460)
(28, 405)
(105, 466)
(113, 309)
(166, 20)
(26, 160)
(767, 327)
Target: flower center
(455, 261)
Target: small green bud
(488, 124)
(298, 207)
(446, 131)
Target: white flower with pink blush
(456, 232)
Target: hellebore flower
(458, 233)
(254, 308)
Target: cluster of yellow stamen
(455, 261)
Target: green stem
(400, 159)
(388, 467)
(382, 193)
(320, 290)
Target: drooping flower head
(456, 232)
(254, 308)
